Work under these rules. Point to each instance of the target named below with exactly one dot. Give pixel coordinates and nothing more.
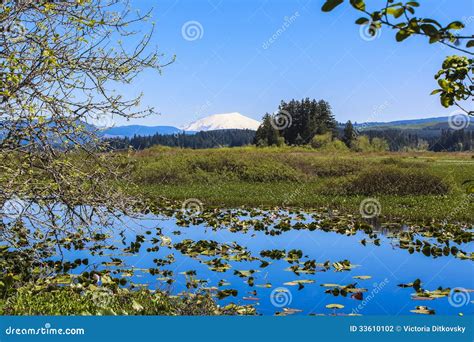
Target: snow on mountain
(223, 121)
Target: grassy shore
(408, 186)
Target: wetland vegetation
(323, 224)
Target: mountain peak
(223, 121)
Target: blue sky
(232, 66)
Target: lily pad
(335, 306)
(423, 310)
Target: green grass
(408, 185)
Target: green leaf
(413, 4)
(470, 43)
(358, 4)
(329, 5)
(362, 21)
(443, 84)
(429, 29)
(431, 21)
(396, 12)
(335, 306)
(402, 35)
(455, 25)
(435, 39)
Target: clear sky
(233, 65)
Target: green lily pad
(335, 306)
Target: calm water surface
(387, 264)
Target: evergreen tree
(267, 132)
(349, 134)
(307, 118)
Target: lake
(359, 267)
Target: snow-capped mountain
(223, 121)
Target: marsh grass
(409, 185)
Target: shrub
(335, 146)
(321, 140)
(397, 181)
(363, 144)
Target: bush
(321, 140)
(335, 146)
(397, 181)
(363, 144)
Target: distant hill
(437, 123)
(132, 130)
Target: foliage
(59, 70)
(335, 146)
(400, 16)
(57, 76)
(349, 135)
(70, 300)
(299, 176)
(364, 144)
(267, 134)
(452, 78)
(397, 181)
(425, 139)
(305, 119)
(321, 140)
(211, 139)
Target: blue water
(387, 264)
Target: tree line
(309, 122)
(210, 139)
